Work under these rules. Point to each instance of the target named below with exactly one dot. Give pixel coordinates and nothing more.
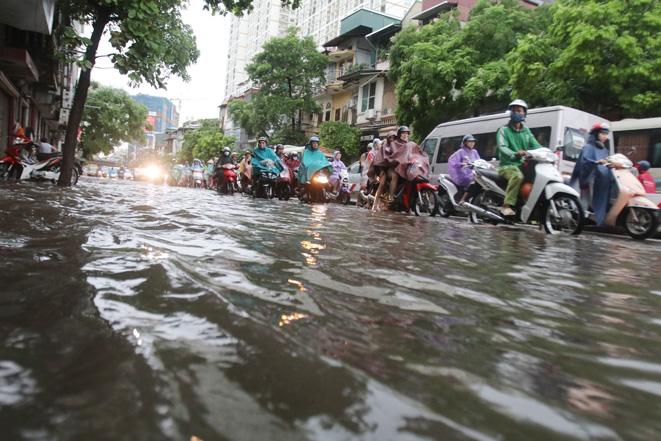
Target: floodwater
(130, 311)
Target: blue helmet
(644, 165)
(313, 138)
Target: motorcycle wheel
(571, 217)
(426, 202)
(285, 192)
(444, 201)
(345, 198)
(4, 171)
(640, 223)
(482, 200)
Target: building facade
(35, 89)
(163, 114)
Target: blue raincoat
(312, 161)
(260, 162)
(586, 171)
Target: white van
(553, 127)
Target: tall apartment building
(318, 18)
(162, 113)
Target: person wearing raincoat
(264, 160)
(338, 166)
(312, 161)
(591, 168)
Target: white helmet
(519, 103)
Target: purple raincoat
(462, 176)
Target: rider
(186, 172)
(260, 155)
(312, 161)
(280, 151)
(645, 177)
(460, 174)
(514, 140)
(338, 166)
(372, 148)
(245, 170)
(592, 168)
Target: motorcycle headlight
(320, 179)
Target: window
(429, 146)
(369, 96)
(328, 112)
(573, 142)
(338, 114)
(646, 141)
(448, 147)
(355, 167)
(345, 114)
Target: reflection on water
(134, 311)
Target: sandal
(507, 212)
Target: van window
(486, 145)
(448, 147)
(429, 147)
(573, 143)
(542, 135)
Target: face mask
(227, 153)
(516, 117)
(295, 158)
(263, 147)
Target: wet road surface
(130, 311)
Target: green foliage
(287, 71)
(239, 7)
(338, 135)
(447, 72)
(110, 117)
(205, 142)
(601, 56)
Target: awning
(17, 63)
(385, 31)
(431, 12)
(358, 31)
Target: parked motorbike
(629, 208)
(316, 191)
(15, 165)
(544, 197)
(449, 195)
(343, 194)
(284, 183)
(228, 180)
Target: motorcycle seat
(494, 176)
(42, 156)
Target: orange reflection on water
(313, 248)
(288, 319)
(297, 283)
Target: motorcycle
(198, 178)
(417, 195)
(544, 197)
(449, 195)
(628, 207)
(284, 184)
(264, 186)
(316, 190)
(15, 165)
(343, 194)
(228, 184)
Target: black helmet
(468, 138)
(402, 129)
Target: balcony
(340, 55)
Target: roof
(358, 31)
(385, 31)
(431, 12)
(636, 124)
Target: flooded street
(130, 311)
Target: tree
(338, 135)
(110, 117)
(151, 43)
(287, 71)
(205, 142)
(447, 71)
(600, 56)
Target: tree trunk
(79, 99)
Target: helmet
(279, 146)
(313, 138)
(468, 138)
(600, 127)
(519, 103)
(227, 149)
(644, 165)
(235, 154)
(262, 138)
(370, 145)
(403, 129)
(376, 141)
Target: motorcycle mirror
(632, 151)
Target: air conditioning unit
(370, 114)
(64, 116)
(66, 99)
(351, 103)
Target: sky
(200, 97)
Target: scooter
(317, 190)
(544, 197)
(228, 180)
(283, 185)
(343, 194)
(264, 186)
(198, 178)
(47, 169)
(449, 195)
(628, 207)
